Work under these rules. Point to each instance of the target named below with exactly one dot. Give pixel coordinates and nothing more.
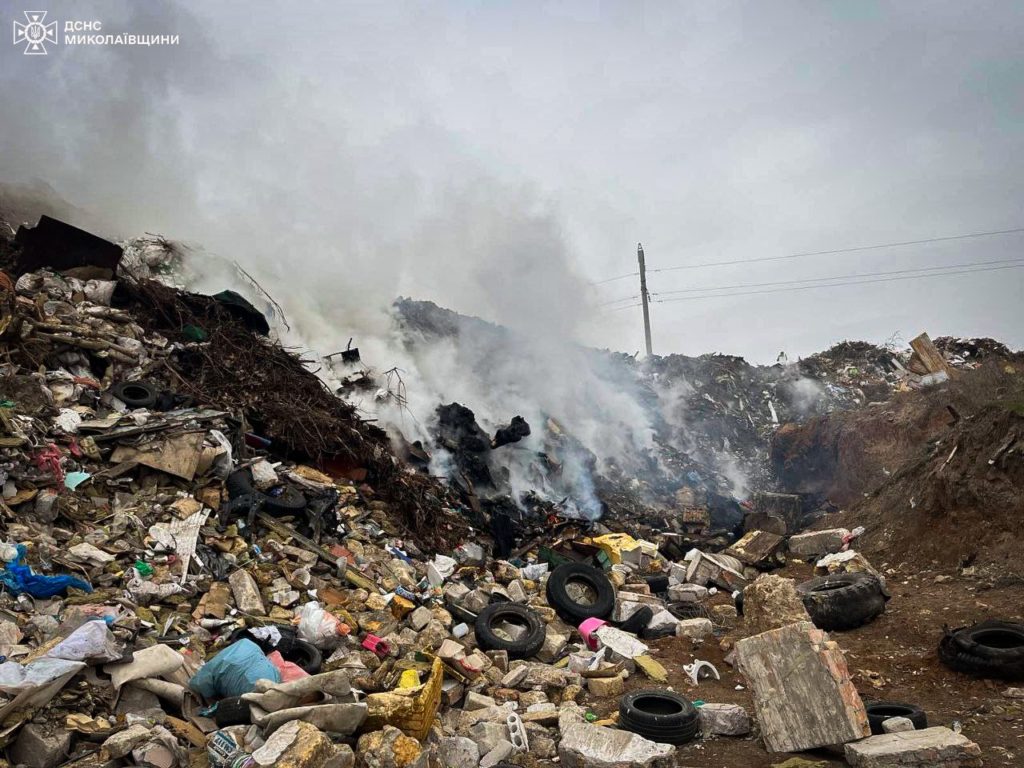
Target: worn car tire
(514, 613)
(842, 600)
(880, 711)
(305, 655)
(239, 483)
(566, 607)
(638, 622)
(659, 715)
(232, 711)
(989, 649)
(135, 394)
(290, 502)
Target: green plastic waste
(145, 569)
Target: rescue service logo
(35, 34)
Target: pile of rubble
(196, 570)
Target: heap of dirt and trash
(209, 558)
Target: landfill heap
(208, 559)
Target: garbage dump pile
(208, 559)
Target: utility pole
(644, 297)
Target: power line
(612, 279)
(833, 285)
(840, 277)
(628, 306)
(616, 301)
(900, 244)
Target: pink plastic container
(587, 628)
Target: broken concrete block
(501, 750)
(928, 748)
(897, 725)
(517, 592)
(663, 621)
(707, 569)
(756, 548)
(591, 746)
(486, 735)
(247, 593)
(39, 747)
(459, 752)
(687, 593)
(676, 573)
(771, 602)
(123, 742)
(388, 748)
(724, 720)
(515, 676)
(554, 644)
(476, 700)
(802, 689)
(606, 686)
(420, 617)
(695, 629)
(475, 601)
(817, 543)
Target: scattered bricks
(604, 687)
(724, 720)
(772, 602)
(695, 629)
(475, 601)
(476, 700)
(529, 699)
(802, 689)
(554, 644)
(501, 750)
(687, 593)
(401, 607)
(37, 747)
(517, 592)
(545, 676)
(420, 617)
(676, 573)
(897, 725)
(459, 752)
(590, 746)
(500, 660)
(376, 602)
(515, 676)
(928, 748)
(817, 543)
(455, 592)
(641, 588)
(451, 650)
(707, 569)
(433, 635)
(247, 593)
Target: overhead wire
(856, 249)
(839, 284)
(838, 277)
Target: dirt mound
(843, 455)
(960, 504)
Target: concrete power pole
(644, 297)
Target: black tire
(842, 600)
(566, 607)
(658, 715)
(305, 655)
(880, 711)
(232, 711)
(989, 649)
(290, 502)
(135, 394)
(239, 483)
(638, 622)
(489, 640)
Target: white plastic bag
(319, 627)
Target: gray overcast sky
(496, 157)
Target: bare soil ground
(893, 658)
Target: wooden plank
(802, 689)
(929, 354)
